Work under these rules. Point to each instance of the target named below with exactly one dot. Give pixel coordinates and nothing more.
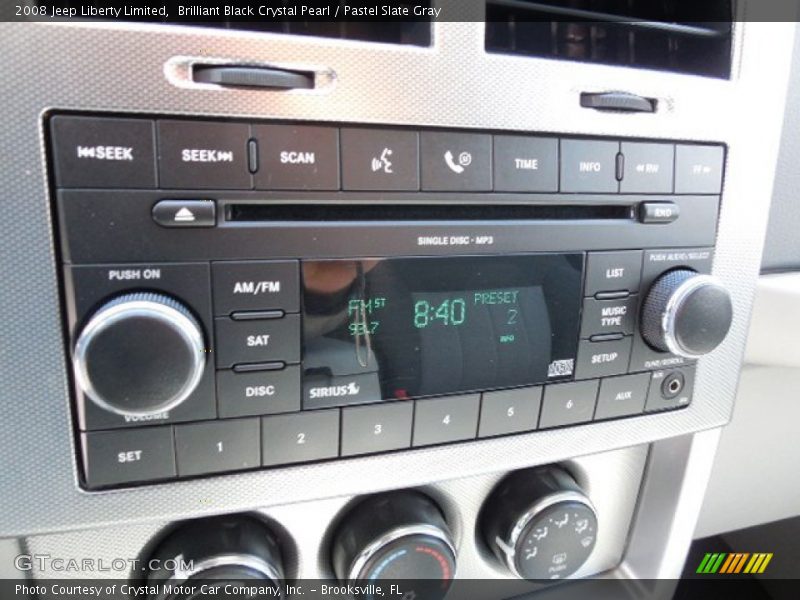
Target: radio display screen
(397, 328)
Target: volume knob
(686, 313)
(139, 354)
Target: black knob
(230, 555)
(394, 537)
(686, 313)
(540, 524)
(139, 354)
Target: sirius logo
(333, 391)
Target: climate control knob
(395, 537)
(139, 354)
(232, 555)
(686, 313)
(540, 524)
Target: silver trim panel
(453, 83)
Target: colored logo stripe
(722, 562)
(758, 563)
(711, 562)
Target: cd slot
(271, 212)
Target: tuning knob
(686, 313)
(221, 550)
(139, 354)
(540, 524)
(394, 537)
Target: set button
(128, 456)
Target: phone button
(456, 162)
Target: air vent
(414, 33)
(683, 36)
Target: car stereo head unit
(245, 295)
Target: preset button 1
(217, 446)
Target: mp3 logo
(333, 391)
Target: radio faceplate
(291, 338)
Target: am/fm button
(257, 285)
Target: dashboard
(297, 308)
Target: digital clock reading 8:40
(452, 311)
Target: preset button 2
(300, 438)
